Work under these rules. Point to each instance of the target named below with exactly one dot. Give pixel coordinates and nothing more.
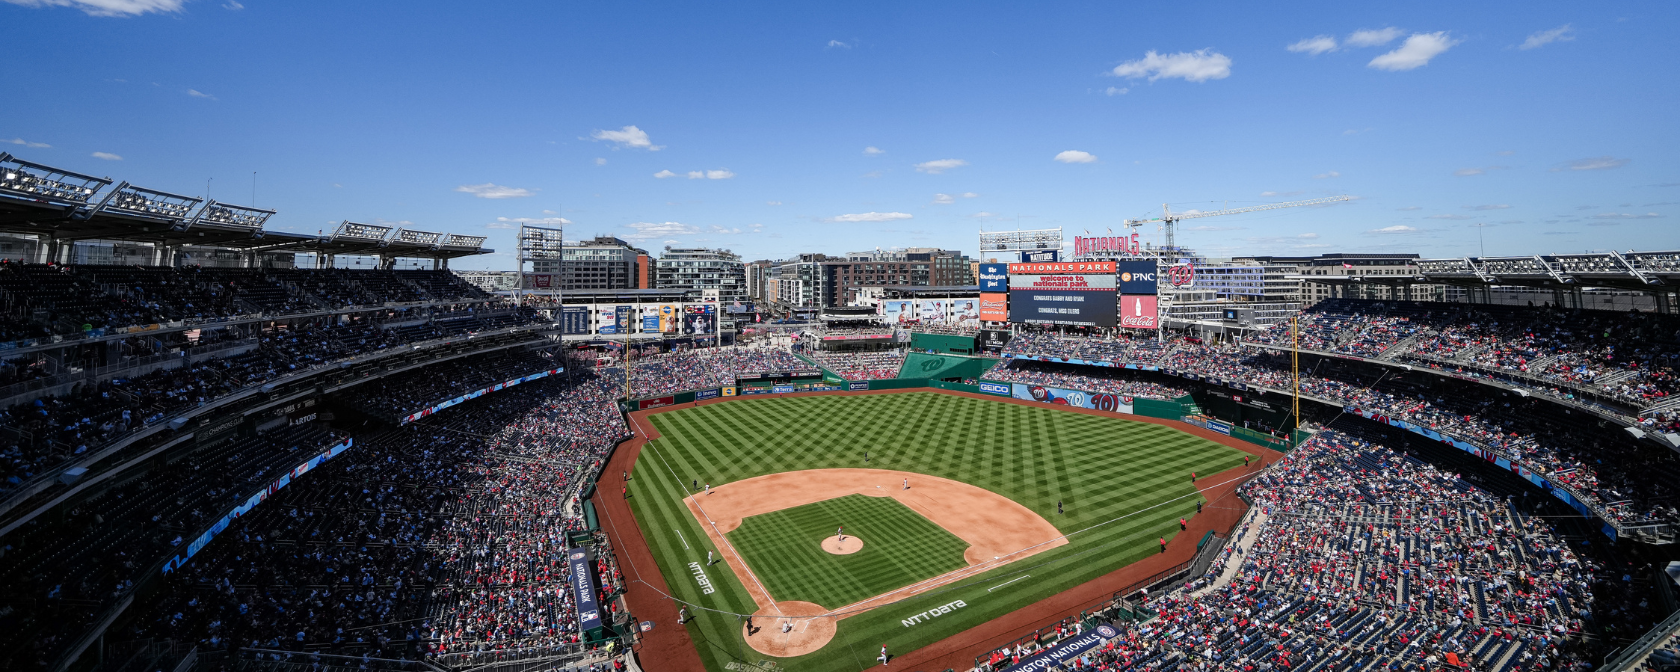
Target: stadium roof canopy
(1636, 271)
(935, 292)
(61, 207)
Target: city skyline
(773, 132)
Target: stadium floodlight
(540, 242)
(416, 237)
(1037, 240)
(133, 201)
(45, 183)
(463, 242)
(353, 231)
(237, 216)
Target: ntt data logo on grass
(933, 613)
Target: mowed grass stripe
(1130, 477)
(784, 548)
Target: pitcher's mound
(849, 546)
(810, 630)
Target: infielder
(906, 483)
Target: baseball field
(949, 506)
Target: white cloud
(837, 44)
(1373, 38)
(870, 217)
(724, 230)
(1626, 215)
(489, 190)
(1281, 193)
(108, 7)
(629, 136)
(1397, 228)
(1561, 33)
(1076, 156)
(1416, 52)
(939, 166)
(652, 230)
(984, 214)
(696, 175)
(1451, 217)
(1326, 176)
(1500, 206)
(199, 94)
(873, 150)
(599, 161)
(233, 5)
(1410, 208)
(664, 174)
(1314, 45)
(719, 174)
(1595, 163)
(1308, 236)
(772, 202)
(107, 156)
(943, 199)
(1117, 90)
(970, 194)
(1193, 66)
(1466, 172)
(26, 143)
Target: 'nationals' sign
(582, 578)
(1062, 267)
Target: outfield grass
(900, 547)
(1123, 484)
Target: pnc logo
(1125, 277)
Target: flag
(1347, 265)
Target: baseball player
(708, 488)
(883, 656)
(709, 553)
(787, 626)
(1058, 507)
(840, 534)
(906, 483)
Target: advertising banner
(898, 311)
(1138, 277)
(474, 395)
(670, 319)
(700, 320)
(994, 277)
(702, 395)
(1083, 308)
(994, 339)
(1000, 389)
(858, 385)
(994, 307)
(1118, 403)
(930, 311)
(574, 320)
(650, 324)
(608, 323)
(1039, 256)
(1062, 267)
(1066, 651)
(1139, 311)
(965, 311)
(1220, 427)
(656, 402)
(728, 391)
(582, 578)
(781, 389)
(859, 337)
(539, 281)
(259, 497)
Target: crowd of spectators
(1615, 480)
(658, 373)
(42, 433)
(391, 398)
(1631, 356)
(946, 328)
(1122, 349)
(1083, 378)
(875, 365)
(1364, 558)
(445, 537)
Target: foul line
(1018, 578)
(649, 444)
(680, 536)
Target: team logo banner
(1102, 401)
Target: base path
(838, 546)
(998, 530)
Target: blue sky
(1548, 127)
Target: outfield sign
(858, 386)
(1001, 389)
(655, 402)
(713, 393)
(1102, 401)
(935, 612)
(1067, 650)
(583, 590)
(782, 389)
(1221, 427)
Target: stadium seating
(860, 365)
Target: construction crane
(1169, 218)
